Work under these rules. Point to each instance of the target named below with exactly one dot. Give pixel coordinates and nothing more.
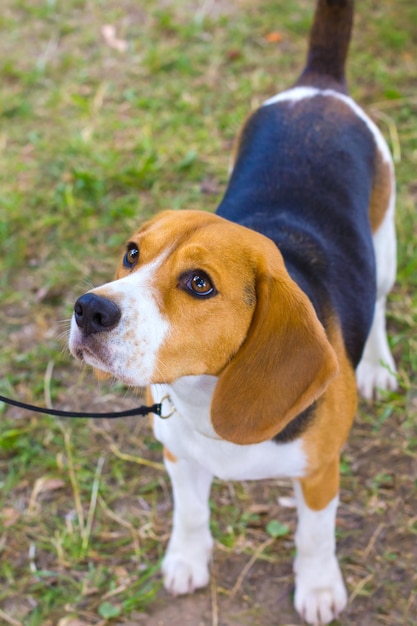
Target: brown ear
(283, 366)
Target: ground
(110, 112)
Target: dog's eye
(132, 255)
(198, 284)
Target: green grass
(92, 141)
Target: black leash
(140, 410)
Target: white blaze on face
(128, 351)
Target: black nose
(95, 314)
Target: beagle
(260, 321)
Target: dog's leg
(376, 371)
(186, 563)
(320, 593)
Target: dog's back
(303, 176)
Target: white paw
(373, 377)
(320, 594)
(186, 567)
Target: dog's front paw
(320, 594)
(374, 377)
(186, 565)
(184, 576)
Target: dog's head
(195, 294)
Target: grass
(93, 140)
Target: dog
(256, 325)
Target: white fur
(129, 351)
(186, 563)
(294, 95)
(320, 593)
(376, 371)
(189, 435)
(201, 454)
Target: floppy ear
(282, 367)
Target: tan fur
(382, 191)
(328, 432)
(149, 401)
(273, 359)
(204, 333)
(100, 375)
(169, 456)
(321, 487)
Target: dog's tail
(328, 46)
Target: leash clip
(173, 409)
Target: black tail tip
(328, 46)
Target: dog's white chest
(188, 434)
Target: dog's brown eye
(201, 285)
(132, 256)
(198, 284)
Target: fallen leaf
(273, 37)
(41, 486)
(109, 35)
(50, 484)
